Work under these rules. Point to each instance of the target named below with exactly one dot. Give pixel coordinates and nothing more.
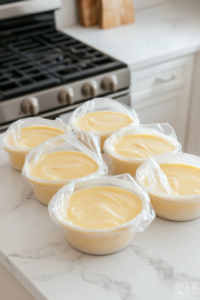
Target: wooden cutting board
(106, 13)
(87, 10)
(115, 13)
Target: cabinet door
(161, 93)
(165, 109)
(193, 136)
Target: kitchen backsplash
(68, 14)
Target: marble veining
(165, 271)
(27, 195)
(35, 250)
(71, 259)
(122, 289)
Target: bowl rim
(102, 133)
(19, 150)
(99, 232)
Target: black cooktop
(35, 56)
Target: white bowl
(172, 207)
(105, 241)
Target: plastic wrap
(102, 104)
(15, 129)
(103, 241)
(164, 131)
(150, 175)
(59, 203)
(16, 153)
(167, 204)
(122, 164)
(86, 143)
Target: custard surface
(103, 121)
(64, 165)
(102, 207)
(142, 146)
(33, 136)
(182, 179)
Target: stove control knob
(30, 106)
(110, 83)
(66, 96)
(90, 89)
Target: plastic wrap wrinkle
(153, 178)
(156, 179)
(173, 183)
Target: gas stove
(46, 72)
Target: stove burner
(38, 57)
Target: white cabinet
(164, 109)
(162, 94)
(193, 136)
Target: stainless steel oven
(46, 72)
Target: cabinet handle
(166, 78)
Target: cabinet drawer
(160, 78)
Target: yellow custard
(103, 121)
(33, 136)
(182, 179)
(102, 207)
(142, 146)
(64, 165)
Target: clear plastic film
(15, 130)
(102, 104)
(58, 206)
(150, 176)
(163, 130)
(86, 143)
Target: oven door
(65, 112)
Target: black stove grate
(34, 57)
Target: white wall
(68, 14)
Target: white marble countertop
(36, 252)
(159, 33)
